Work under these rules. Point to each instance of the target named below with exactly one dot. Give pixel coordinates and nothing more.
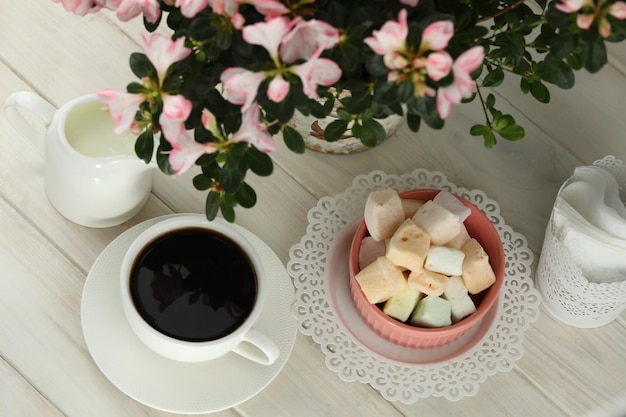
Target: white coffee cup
(92, 176)
(245, 340)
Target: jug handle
(33, 103)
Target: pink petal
(128, 9)
(185, 152)
(438, 65)
(267, 34)
(305, 38)
(241, 86)
(190, 8)
(618, 10)
(278, 89)
(122, 106)
(253, 131)
(437, 35)
(391, 37)
(269, 8)
(584, 21)
(163, 52)
(315, 72)
(570, 6)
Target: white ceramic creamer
(92, 175)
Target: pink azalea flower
(437, 35)
(604, 28)
(584, 21)
(618, 10)
(209, 122)
(391, 37)
(185, 152)
(190, 8)
(129, 9)
(278, 89)
(317, 71)
(253, 131)
(438, 65)
(163, 52)
(122, 106)
(305, 38)
(412, 3)
(269, 8)
(176, 110)
(78, 7)
(228, 8)
(463, 85)
(570, 6)
(268, 34)
(241, 86)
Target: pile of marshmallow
(419, 259)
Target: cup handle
(257, 347)
(32, 102)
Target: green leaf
(490, 139)
(478, 130)
(246, 196)
(202, 182)
(144, 145)
(512, 132)
(335, 130)
(562, 75)
(231, 178)
(293, 139)
(494, 78)
(212, 205)
(524, 85)
(563, 45)
(371, 133)
(140, 64)
(594, 55)
(414, 121)
(228, 210)
(259, 162)
(358, 102)
(540, 92)
(136, 88)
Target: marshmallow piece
(369, 250)
(428, 282)
(432, 311)
(383, 213)
(410, 206)
(459, 240)
(445, 260)
(380, 280)
(461, 304)
(401, 304)
(441, 224)
(408, 246)
(477, 272)
(452, 204)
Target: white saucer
(164, 384)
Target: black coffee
(193, 284)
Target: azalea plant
(228, 75)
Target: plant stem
(503, 11)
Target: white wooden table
(45, 366)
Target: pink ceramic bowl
(478, 227)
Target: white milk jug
(92, 176)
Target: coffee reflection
(193, 284)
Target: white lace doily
(567, 294)
(319, 268)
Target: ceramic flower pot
(312, 130)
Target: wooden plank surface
(43, 358)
